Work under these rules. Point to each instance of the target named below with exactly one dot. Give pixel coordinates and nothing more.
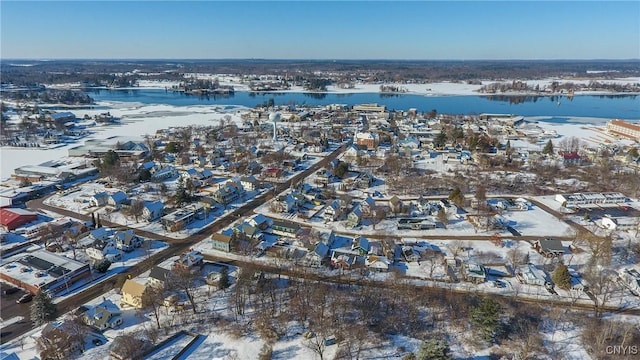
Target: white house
(126, 240)
(377, 263)
(100, 249)
(106, 315)
(98, 199)
(152, 210)
(117, 199)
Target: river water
(592, 106)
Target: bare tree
(187, 280)
(136, 209)
(153, 299)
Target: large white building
(624, 129)
(576, 199)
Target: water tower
(274, 117)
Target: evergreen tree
(42, 309)
(548, 148)
(102, 265)
(181, 195)
(224, 283)
(561, 277)
(457, 196)
(486, 318)
(434, 350)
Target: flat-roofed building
(43, 270)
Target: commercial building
(13, 218)
(624, 129)
(42, 270)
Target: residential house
(475, 273)
(106, 315)
(99, 199)
(193, 260)
(273, 173)
(344, 259)
(354, 217)
(334, 210)
(152, 210)
(285, 228)
(529, 274)
(221, 242)
(410, 254)
(165, 173)
(290, 202)
(259, 221)
(248, 232)
(396, 205)
(549, 247)
(571, 158)
(368, 206)
(323, 176)
(126, 240)
(377, 263)
(125, 347)
(249, 183)
(364, 180)
(158, 277)
(132, 293)
(60, 339)
(101, 249)
(117, 199)
(352, 153)
(316, 257)
(361, 245)
(228, 193)
(449, 207)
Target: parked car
(25, 298)
(10, 290)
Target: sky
(428, 30)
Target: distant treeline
(26, 72)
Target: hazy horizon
(379, 30)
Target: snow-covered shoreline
(426, 89)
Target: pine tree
(42, 309)
(434, 350)
(561, 277)
(548, 148)
(486, 317)
(224, 283)
(457, 196)
(181, 195)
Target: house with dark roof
(158, 277)
(285, 228)
(61, 339)
(549, 248)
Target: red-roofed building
(13, 218)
